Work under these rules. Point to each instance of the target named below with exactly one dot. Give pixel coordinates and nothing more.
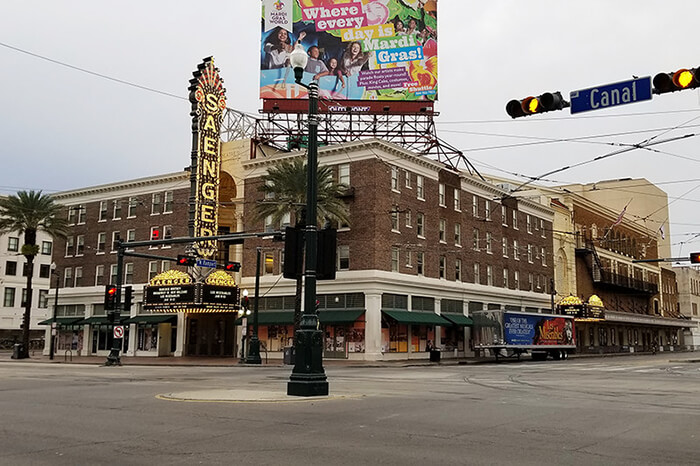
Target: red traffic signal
(110, 297)
(695, 257)
(546, 102)
(185, 260)
(233, 266)
(677, 80)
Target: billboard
(359, 50)
(528, 329)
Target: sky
(62, 128)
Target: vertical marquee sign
(207, 95)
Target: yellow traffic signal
(683, 78)
(677, 81)
(532, 105)
(695, 257)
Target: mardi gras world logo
(279, 5)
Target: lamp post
(243, 313)
(254, 345)
(308, 377)
(52, 341)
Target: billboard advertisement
(528, 329)
(359, 50)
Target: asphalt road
(625, 410)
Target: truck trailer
(510, 334)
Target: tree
(28, 212)
(284, 187)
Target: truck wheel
(565, 355)
(556, 355)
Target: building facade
(688, 280)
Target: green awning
(271, 318)
(417, 318)
(339, 317)
(99, 320)
(458, 319)
(153, 319)
(61, 321)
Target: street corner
(247, 396)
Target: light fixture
(298, 59)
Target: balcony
(624, 282)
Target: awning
(417, 318)
(99, 320)
(61, 321)
(458, 319)
(339, 317)
(271, 318)
(153, 319)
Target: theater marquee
(207, 95)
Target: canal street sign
(611, 95)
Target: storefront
(68, 336)
(156, 334)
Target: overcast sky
(63, 129)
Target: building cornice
(122, 186)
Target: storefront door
(335, 342)
(211, 335)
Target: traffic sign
(206, 263)
(611, 95)
(118, 331)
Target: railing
(624, 281)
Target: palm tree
(284, 187)
(26, 213)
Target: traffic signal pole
(113, 359)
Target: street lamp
(52, 341)
(308, 377)
(254, 345)
(243, 313)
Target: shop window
(147, 337)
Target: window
(13, 244)
(156, 203)
(131, 235)
(168, 202)
(394, 259)
(128, 273)
(79, 245)
(99, 275)
(168, 231)
(443, 228)
(155, 235)
(25, 269)
(515, 219)
(458, 270)
(68, 277)
(43, 299)
(458, 234)
(115, 241)
(101, 241)
(504, 246)
(78, 276)
(475, 241)
(489, 275)
(489, 242)
(475, 206)
(46, 248)
(165, 266)
(516, 252)
(505, 278)
(269, 263)
(477, 273)
(102, 216)
(113, 273)
(72, 215)
(9, 299)
(395, 219)
(516, 280)
(504, 216)
(441, 194)
(407, 178)
(11, 268)
(487, 205)
(543, 232)
(458, 199)
(529, 253)
(528, 221)
(441, 268)
(344, 174)
(408, 219)
(543, 254)
(285, 221)
(529, 282)
(82, 214)
(420, 257)
(419, 187)
(152, 270)
(131, 209)
(269, 225)
(70, 246)
(344, 257)
(394, 178)
(44, 270)
(117, 213)
(420, 229)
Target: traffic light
(128, 299)
(233, 267)
(695, 257)
(110, 297)
(326, 258)
(293, 252)
(677, 81)
(185, 260)
(546, 102)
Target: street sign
(611, 95)
(206, 263)
(118, 331)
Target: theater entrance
(211, 334)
